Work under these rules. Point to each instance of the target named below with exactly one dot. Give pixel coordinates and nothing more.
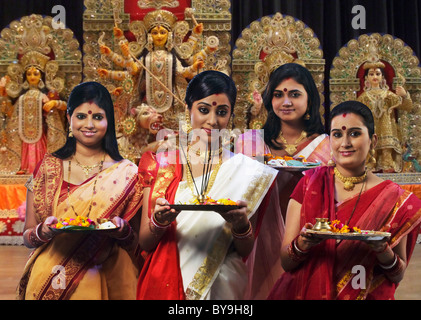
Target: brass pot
(322, 224)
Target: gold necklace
(200, 153)
(88, 168)
(349, 182)
(292, 148)
(208, 187)
(93, 189)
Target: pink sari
(326, 274)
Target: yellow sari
(82, 266)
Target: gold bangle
(157, 224)
(247, 234)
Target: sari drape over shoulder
(252, 144)
(326, 274)
(82, 266)
(195, 257)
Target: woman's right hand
(163, 213)
(46, 232)
(305, 240)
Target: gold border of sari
(75, 253)
(207, 272)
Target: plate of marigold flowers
(82, 224)
(209, 204)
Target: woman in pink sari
(347, 269)
(87, 178)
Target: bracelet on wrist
(390, 266)
(158, 224)
(34, 237)
(129, 233)
(297, 248)
(244, 235)
(37, 233)
(395, 268)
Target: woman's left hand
(377, 246)
(237, 217)
(123, 228)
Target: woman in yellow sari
(86, 178)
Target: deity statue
(35, 125)
(157, 67)
(384, 105)
(138, 134)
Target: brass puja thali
(365, 235)
(335, 229)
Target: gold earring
(187, 128)
(331, 163)
(373, 160)
(307, 116)
(70, 132)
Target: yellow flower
(228, 202)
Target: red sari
(325, 274)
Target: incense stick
(191, 172)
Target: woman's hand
(46, 232)
(305, 240)
(241, 228)
(123, 228)
(377, 246)
(237, 217)
(163, 214)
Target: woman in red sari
(347, 269)
(87, 178)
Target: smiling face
(211, 113)
(350, 142)
(290, 101)
(89, 124)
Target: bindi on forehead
(343, 128)
(285, 89)
(214, 103)
(89, 112)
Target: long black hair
(210, 82)
(272, 127)
(357, 108)
(92, 92)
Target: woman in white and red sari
(200, 254)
